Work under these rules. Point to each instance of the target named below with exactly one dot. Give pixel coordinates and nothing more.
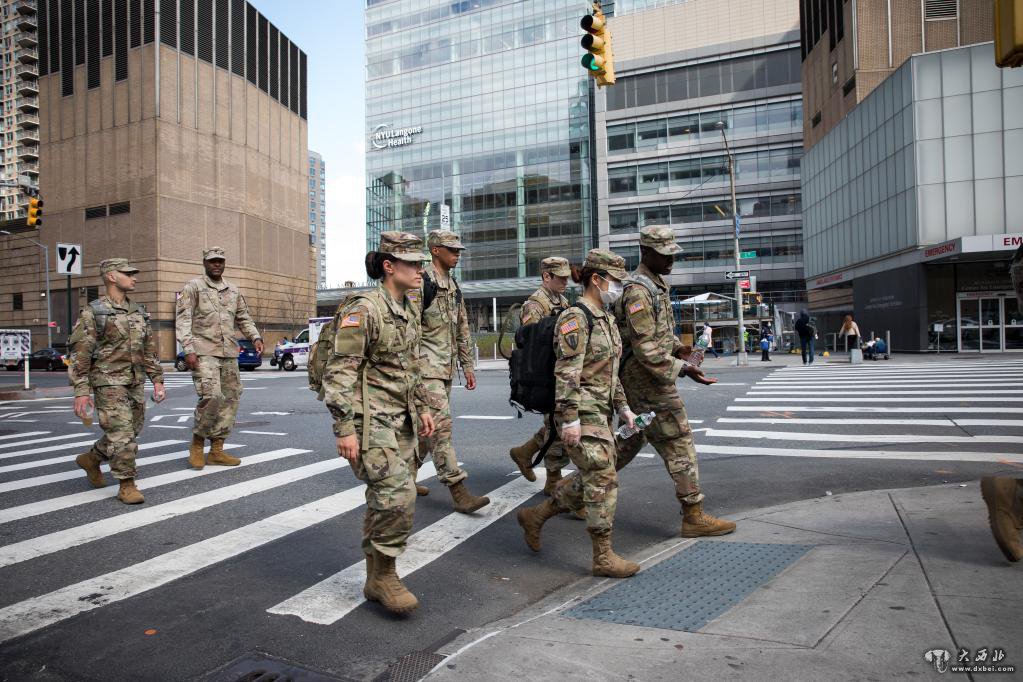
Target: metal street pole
(741, 359)
(49, 312)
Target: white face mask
(613, 293)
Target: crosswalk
(952, 411)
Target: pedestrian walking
(112, 352)
(208, 311)
(653, 360)
(707, 329)
(372, 387)
(850, 332)
(765, 342)
(588, 392)
(445, 345)
(806, 334)
(548, 300)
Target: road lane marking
(40, 611)
(872, 392)
(265, 433)
(775, 386)
(27, 434)
(32, 441)
(876, 399)
(874, 410)
(862, 437)
(874, 422)
(70, 458)
(949, 456)
(482, 416)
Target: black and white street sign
(737, 274)
(69, 259)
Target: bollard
(26, 362)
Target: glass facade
(482, 114)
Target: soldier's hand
(258, 343)
(427, 425)
(192, 361)
(83, 406)
(348, 447)
(470, 381)
(697, 375)
(570, 435)
(159, 392)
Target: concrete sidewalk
(857, 586)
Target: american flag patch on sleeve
(636, 307)
(569, 327)
(351, 320)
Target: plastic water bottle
(642, 421)
(702, 344)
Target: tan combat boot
(523, 458)
(532, 519)
(553, 478)
(369, 591)
(196, 458)
(465, 501)
(218, 456)
(606, 563)
(696, 524)
(385, 586)
(128, 493)
(90, 462)
(1003, 513)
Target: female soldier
(587, 393)
(370, 387)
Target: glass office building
(478, 119)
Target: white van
(295, 354)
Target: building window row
(818, 16)
(759, 120)
(717, 209)
(703, 253)
(741, 74)
(765, 165)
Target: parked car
(48, 359)
(248, 358)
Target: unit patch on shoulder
(636, 307)
(351, 320)
(569, 327)
(413, 295)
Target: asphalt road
(214, 565)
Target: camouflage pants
(555, 459)
(220, 388)
(438, 399)
(390, 491)
(594, 487)
(669, 434)
(121, 411)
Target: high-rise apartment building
(166, 127)
(318, 213)
(19, 105)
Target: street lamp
(741, 360)
(49, 315)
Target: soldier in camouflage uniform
(445, 341)
(654, 359)
(112, 353)
(554, 272)
(587, 394)
(371, 386)
(209, 309)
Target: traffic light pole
(741, 359)
(68, 309)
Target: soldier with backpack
(548, 300)
(587, 394)
(371, 385)
(445, 343)
(112, 352)
(653, 360)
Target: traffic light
(35, 212)
(1008, 33)
(598, 60)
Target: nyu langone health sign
(384, 136)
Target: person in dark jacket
(806, 333)
(765, 342)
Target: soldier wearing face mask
(652, 361)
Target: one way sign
(69, 259)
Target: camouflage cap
(445, 238)
(403, 246)
(606, 261)
(660, 238)
(214, 252)
(118, 264)
(556, 266)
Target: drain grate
(691, 588)
(258, 667)
(411, 667)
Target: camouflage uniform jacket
(445, 331)
(374, 370)
(123, 354)
(587, 387)
(208, 313)
(648, 336)
(540, 304)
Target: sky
(331, 33)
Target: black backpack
(430, 288)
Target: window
(120, 208)
(649, 134)
(96, 212)
(681, 127)
(18, 303)
(622, 181)
(653, 177)
(621, 138)
(623, 221)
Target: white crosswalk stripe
(33, 464)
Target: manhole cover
(258, 667)
(411, 667)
